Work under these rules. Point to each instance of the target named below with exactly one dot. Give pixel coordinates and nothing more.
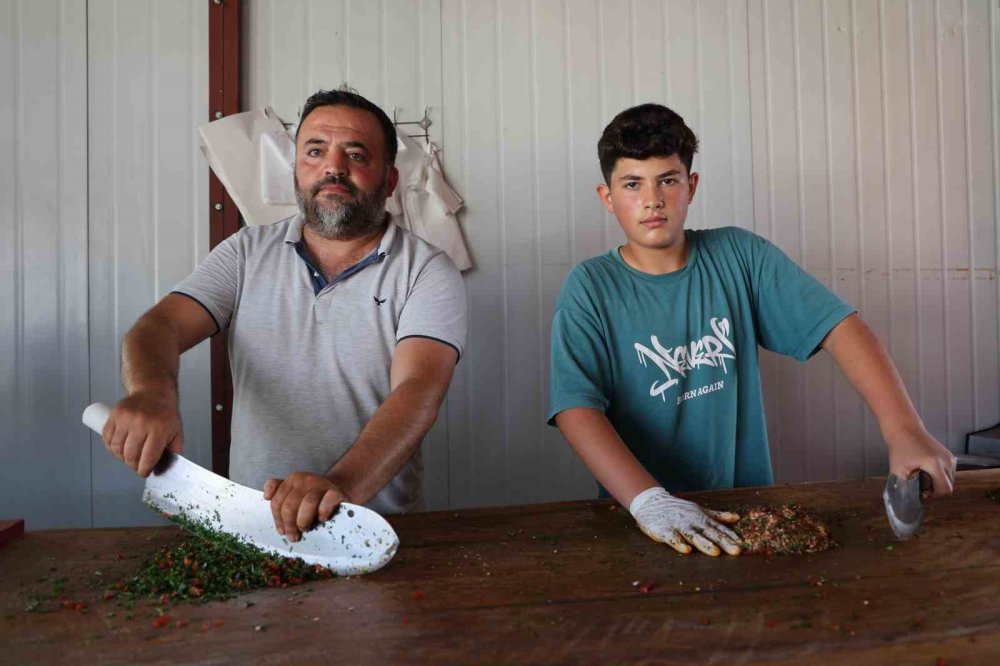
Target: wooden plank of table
(10, 529)
(554, 584)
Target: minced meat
(782, 530)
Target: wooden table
(551, 584)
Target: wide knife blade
(904, 503)
(354, 541)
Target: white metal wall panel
(881, 112)
(982, 108)
(858, 136)
(870, 169)
(43, 263)
(389, 50)
(148, 91)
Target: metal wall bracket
(424, 123)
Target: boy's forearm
(604, 453)
(867, 366)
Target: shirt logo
(711, 350)
(378, 301)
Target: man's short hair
(644, 131)
(347, 96)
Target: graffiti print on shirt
(676, 362)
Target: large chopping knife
(354, 541)
(904, 502)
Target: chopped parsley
(207, 564)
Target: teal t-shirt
(672, 359)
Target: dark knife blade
(904, 502)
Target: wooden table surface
(550, 584)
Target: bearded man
(344, 331)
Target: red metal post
(224, 217)
(10, 529)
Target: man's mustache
(333, 180)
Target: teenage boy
(655, 378)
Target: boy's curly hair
(644, 131)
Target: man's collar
(385, 245)
(293, 235)
(294, 232)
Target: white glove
(678, 523)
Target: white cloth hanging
(424, 203)
(277, 167)
(241, 147)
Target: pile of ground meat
(786, 529)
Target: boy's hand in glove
(681, 524)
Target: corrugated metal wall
(103, 208)
(875, 148)
(43, 263)
(858, 136)
(148, 92)
(389, 50)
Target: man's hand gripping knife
(681, 524)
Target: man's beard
(342, 220)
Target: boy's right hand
(682, 524)
(141, 426)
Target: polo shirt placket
(323, 289)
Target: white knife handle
(95, 416)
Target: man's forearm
(868, 367)
(388, 440)
(151, 356)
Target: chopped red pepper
(417, 596)
(161, 621)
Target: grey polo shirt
(310, 369)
